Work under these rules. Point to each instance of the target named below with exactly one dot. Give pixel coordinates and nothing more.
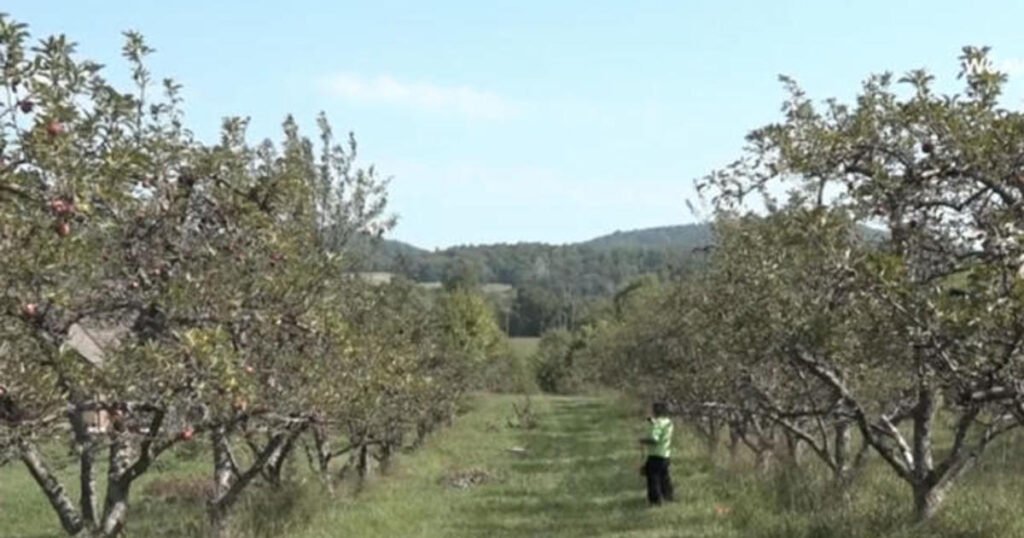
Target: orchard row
(156, 290)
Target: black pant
(659, 483)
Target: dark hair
(660, 409)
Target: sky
(552, 121)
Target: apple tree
(939, 302)
(155, 282)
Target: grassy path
(578, 478)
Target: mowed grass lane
(578, 478)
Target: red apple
(187, 433)
(61, 206)
(26, 106)
(240, 404)
(30, 310)
(63, 228)
(54, 128)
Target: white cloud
(386, 90)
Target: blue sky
(528, 120)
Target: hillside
(554, 284)
(609, 256)
(682, 236)
(425, 265)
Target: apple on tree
(54, 128)
(61, 206)
(30, 310)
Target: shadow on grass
(262, 512)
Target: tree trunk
(763, 459)
(323, 457)
(923, 416)
(229, 482)
(841, 450)
(362, 463)
(422, 431)
(927, 500)
(87, 482)
(386, 453)
(86, 466)
(220, 526)
(927, 497)
(115, 506)
(931, 492)
(714, 435)
(70, 519)
(794, 449)
(710, 430)
(276, 463)
(734, 446)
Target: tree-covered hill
(554, 284)
(606, 259)
(684, 236)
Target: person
(659, 450)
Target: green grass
(25, 513)
(524, 346)
(577, 478)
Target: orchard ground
(577, 476)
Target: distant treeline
(554, 285)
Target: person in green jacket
(659, 450)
